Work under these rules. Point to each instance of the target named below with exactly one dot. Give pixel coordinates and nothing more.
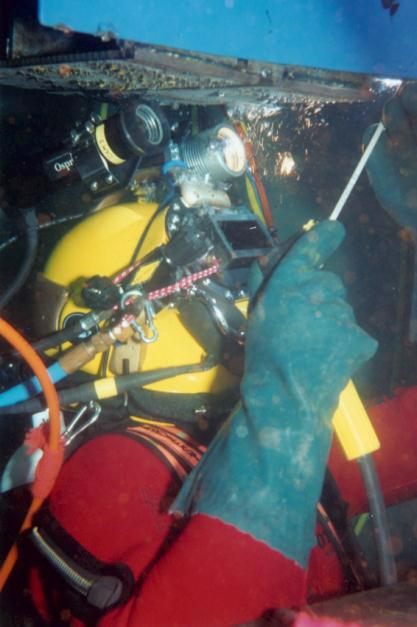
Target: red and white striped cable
(185, 282)
(182, 284)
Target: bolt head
(75, 136)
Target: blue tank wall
(352, 35)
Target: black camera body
(104, 154)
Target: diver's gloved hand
(392, 166)
(392, 171)
(263, 472)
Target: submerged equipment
(165, 254)
(195, 243)
(104, 154)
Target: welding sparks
(285, 164)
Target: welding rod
(353, 427)
(357, 172)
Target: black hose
(31, 224)
(387, 568)
(180, 406)
(87, 391)
(165, 202)
(351, 573)
(73, 330)
(40, 227)
(60, 337)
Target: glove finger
(357, 349)
(408, 97)
(309, 253)
(397, 126)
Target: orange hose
(34, 361)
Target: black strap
(90, 586)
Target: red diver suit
(112, 497)
(116, 509)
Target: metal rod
(357, 172)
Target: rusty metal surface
(395, 606)
(178, 76)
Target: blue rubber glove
(264, 470)
(392, 170)
(392, 166)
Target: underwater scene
(208, 366)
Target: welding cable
(108, 387)
(350, 569)
(164, 203)
(31, 223)
(55, 449)
(387, 569)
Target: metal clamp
(94, 412)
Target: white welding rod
(357, 172)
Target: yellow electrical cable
(146, 421)
(253, 201)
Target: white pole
(357, 172)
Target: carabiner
(69, 434)
(149, 315)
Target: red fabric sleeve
(112, 496)
(395, 421)
(213, 576)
